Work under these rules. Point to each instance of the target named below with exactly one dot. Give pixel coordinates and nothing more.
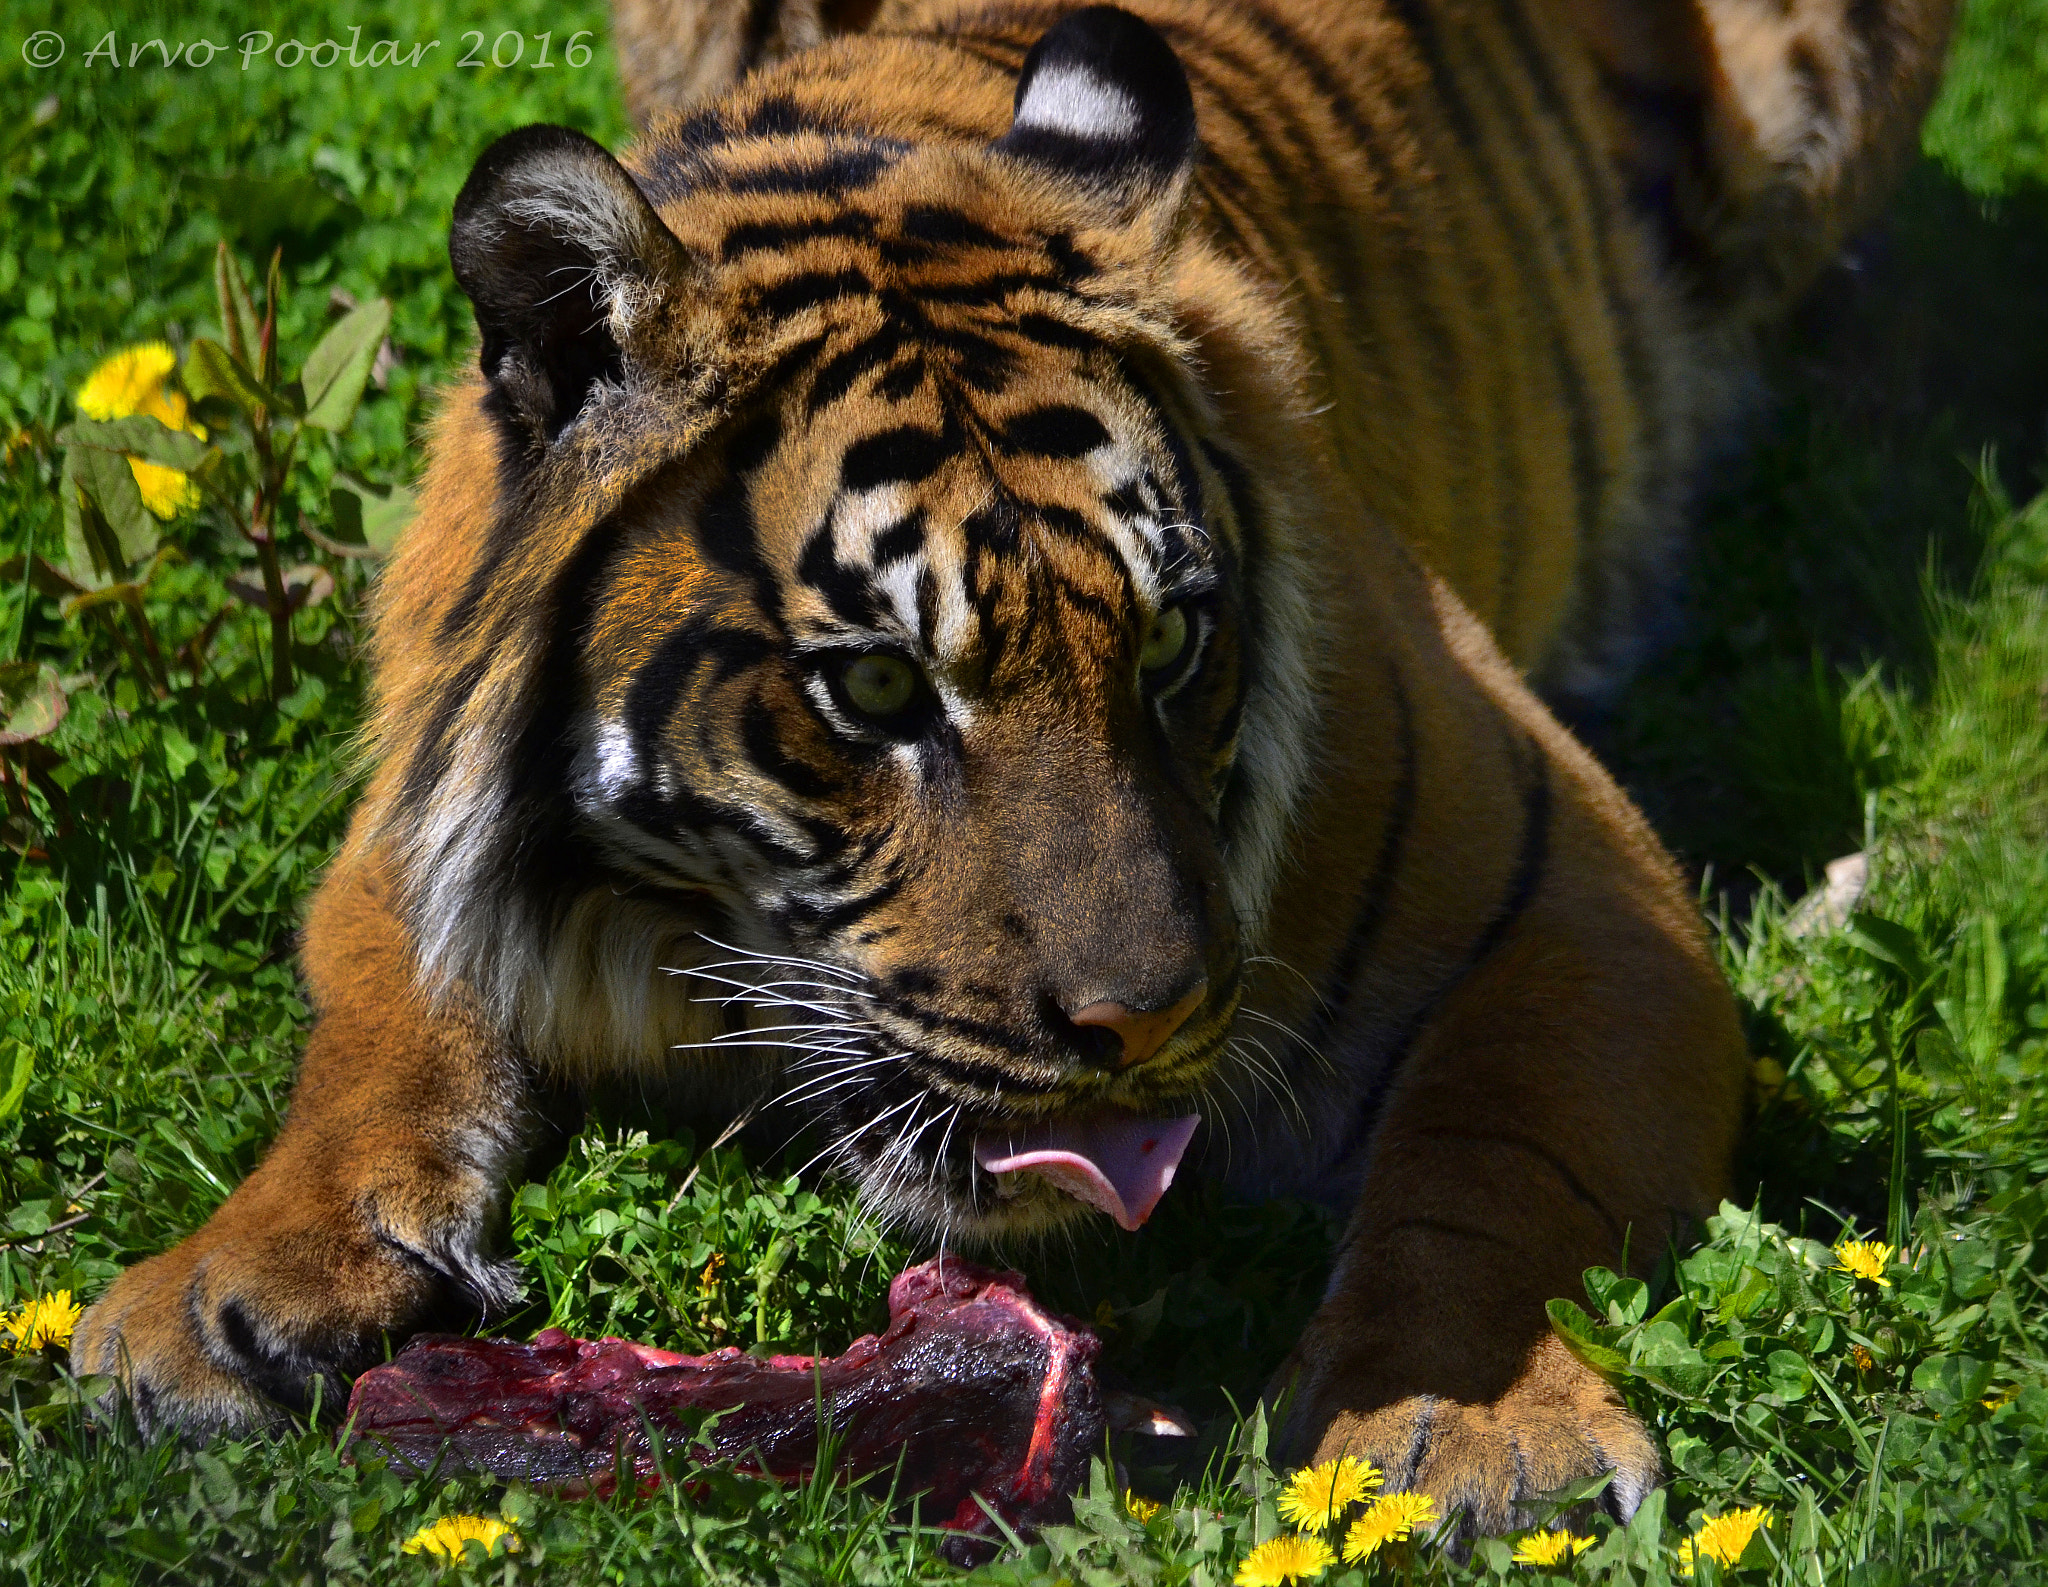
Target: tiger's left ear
(558, 250)
(1102, 99)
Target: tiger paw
(1485, 1462)
(234, 1328)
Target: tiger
(1003, 581)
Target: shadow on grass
(1911, 360)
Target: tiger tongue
(1115, 1162)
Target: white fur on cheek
(618, 767)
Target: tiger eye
(1164, 640)
(879, 685)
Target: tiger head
(839, 559)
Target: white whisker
(744, 956)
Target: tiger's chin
(1025, 1214)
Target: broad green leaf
(1756, 1287)
(1688, 1451)
(79, 534)
(366, 522)
(1789, 1374)
(344, 535)
(1591, 1342)
(113, 530)
(1973, 1268)
(1950, 1381)
(1647, 1527)
(1623, 1299)
(1662, 1353)
(139, 435)
(1557, 1500)
(1679, 1312)
(21, 1074)
(32, 703)
(212, 371)
(1891, 943)
(339, 365)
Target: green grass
(1860, 663)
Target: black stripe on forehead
(1103, 611)
(781, 116)
(790, 364)
(843, 369)
(994, 530)
(832, 175)
(726, 527)
(905, 455)
(809, 289)
(845, 588)
(947, 227)
(701, 150)
(903, 380)
(761, 236)
(1058, 430)
(903, 538)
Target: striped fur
(1199, 437)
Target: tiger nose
(1142, 1032)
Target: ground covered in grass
(1860, 666)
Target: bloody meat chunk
(972, 1385)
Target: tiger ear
(556, 247)
(1102, 98)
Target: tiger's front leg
(370, 1215)
(1575, 1099)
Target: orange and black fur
(1003, 513)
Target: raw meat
(973, 1386)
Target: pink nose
(1142, 1034)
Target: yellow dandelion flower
(127, 382)
(1861, 1358)
(1544, 1549)
(1317, 1495)
(1280, 1560)
(2002, 1398)
(707, 1281)
(1390, 1520)
(46, 1320)
(132, 382)
(1866, 1259)
(165, 491)
(450, 1536)
(1723, 1538)
(1140, 1508)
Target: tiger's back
(1523, 241)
